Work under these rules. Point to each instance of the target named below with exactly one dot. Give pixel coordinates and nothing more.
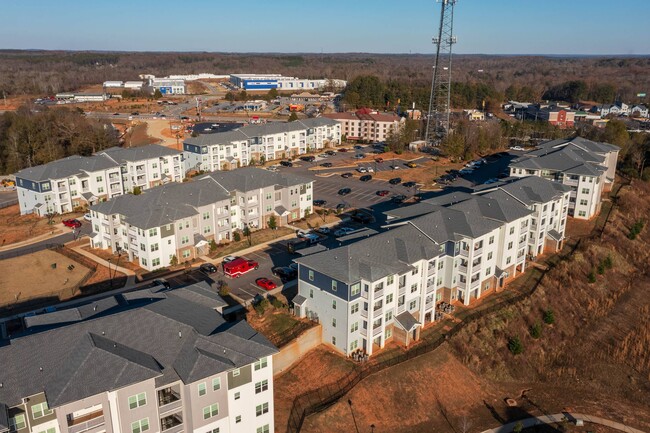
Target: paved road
(8, 196)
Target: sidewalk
(128, 272)
(560, 417)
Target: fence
(319, 399)
(8, 203)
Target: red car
(382, 193)
(343, 149)
(379, 160)
(72, 223)
(265, 283)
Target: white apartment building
(140, 361)
(455, 248)
(367, 125)
(275, 140)
(78, 181)
(588, 167)
(180, 220)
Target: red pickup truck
(239, 267)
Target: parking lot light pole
(110, 277)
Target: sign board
(641, 95)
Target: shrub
(224, 290)
(591, 277)
(213, 245)
(635, 229)
(608, 262)
(518, 427)
(536, 330)
(549, 317)
(514, 346)
(261, 306)
(276, 302)
(236, 236)
(173, 261)
(601, 268)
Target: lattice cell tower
(439, 101)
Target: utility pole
(440, 98)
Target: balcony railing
(431, 288)
(87, 422)
(478, 251)
(377, 307)
(170, 407)
(364, 313)
(379, 293)
(464, 253)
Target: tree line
(29, 137)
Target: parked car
(87, 217)
(340, 207)
(409, 184)
(394, 167)
(362, 217)
(324, 230)
(284, 273)
(365, 178)
(330, 152)
(346, 175)
(265, 283)
(161, 282)
(380, 160)
(286, 163)
(411, 165)
(359, 156)
(358, 147)
(343, 231)
(293, 266)
(398, 198)
(303, 233)
(395, 181)
(383, 193)
(72, 223)
(516, 148)
(326, 164)
(343, 149)
(466, 171)
(208, 268)
(490, 181)
(370, 169)
(320, 203)
(362, 169)
(308, 158)
(228, 259)
(345, 191)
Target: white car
(362, 170)
(87, 217)
(516, 148)
(229, 259)
(370, 170)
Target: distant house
(617, 109)
(474, 115)
(553, 114)
(367, 125)
(639, 111)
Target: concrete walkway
(560, 417)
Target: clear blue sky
(380, 26)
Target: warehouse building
(277, 81)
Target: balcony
(462, 284)
(475, 283)
(464, 253)
(431, 270)
(402, 289)
(172, 424)
(431, 288)
(462, 268)
(379, 292)
(478, 251)
(376, 330)
(377, 307)
(169, 400)
(86, 423)
(364, 314)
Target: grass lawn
(257, 237)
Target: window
(401, 300)
(185, 240)
(140, 426)
(206, 215)
(389, 315)
(154, 247)
(334, 285)
(99, 178)
(390, 280)
(262, 363)
(354, 345)
(40, 410)
(216, 384)
(582, 213)
(414, 287)
(489, 256)
(261, 409)
(17, 422)
(237, 395)
(186, 254)
(583, 202)
(389, 298)
(333, 322)
(491, 240)
(153, 232)
(311, 275)
(413, 304)
(415, 271)
(355, 289)
(264, 429)
(508, 260)
(354, 327)
(49, 430)
(389, 333)
(261, 386)
(137, 400)
(512, 230)
(236, 372)
(509, 245)
(334, 341)
(488, 271)
(440, 265)
(585, 190)
(210, 411)
(354, 308)
(203, 389)
(311, 293)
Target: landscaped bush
(591, 277)
(514, 345)
(261, 306)
(549, 317)
(635, 229)
(536, 330)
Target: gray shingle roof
(250, 178)
(133, 154)
(148, 339)
(529, 190)
(406, 321)
(251, 131)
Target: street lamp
(356, 427)
(110, 277)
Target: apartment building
(179, 221)
(79, 181)
(455, 248)
(588, 167)
(367, 125)
(270, 141)
(561, 117)
(140, 361)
